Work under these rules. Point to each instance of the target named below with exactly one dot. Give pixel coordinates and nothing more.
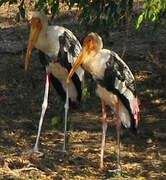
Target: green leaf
(154, 18)
(150, 14)
(140, 19)
(22, 10)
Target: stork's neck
(42, 41)
(95, 63)
(90, 62)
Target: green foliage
(56, 121)
(116, 174)
(93, 13)
(85, 94)
(8, 1)
(88, 94)
(21, 12)
(153, 10)
(47, 6)
(100, 15)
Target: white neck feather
(42, 39)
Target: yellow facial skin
(82, 56)
(88, 46)
(36, 27)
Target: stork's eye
(89, 40)
(35, 21)
(38, 21)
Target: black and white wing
(68, 52)
(70, 49)
(120, 81)
(44, 60)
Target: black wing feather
(119, 80)
(44, 60)
(120, 76)
(70, 45)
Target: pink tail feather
(136, 110)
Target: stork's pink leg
(118, 127)
(66, 115)
(44, 107)
(104, 127)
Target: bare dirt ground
(21, 93)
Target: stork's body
(59, 49)
(115, 85)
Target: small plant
(154, 11)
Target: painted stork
(59, 49)
(115, 85)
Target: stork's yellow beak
(34, 33)
(80, 59)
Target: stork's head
(91, 46)
(37, 22)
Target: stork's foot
(64, 148)
(112, 171)
(115, 170)
(100, 169)
(33, 151)
(36, 150)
